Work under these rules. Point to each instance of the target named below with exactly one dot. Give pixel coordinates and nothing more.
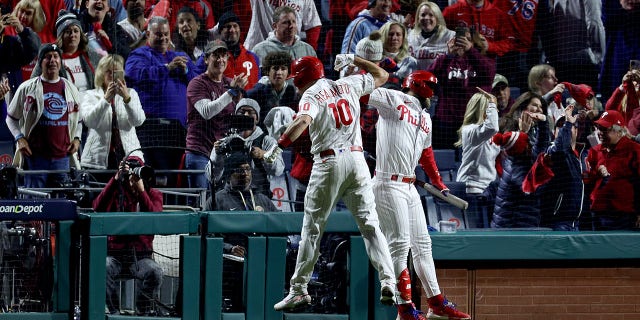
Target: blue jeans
(194, 161)
(43, 180)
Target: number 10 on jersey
(341, 113)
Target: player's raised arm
(345, 59)
(379, 74)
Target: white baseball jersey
(426, 50)
(406, 128)
(334, 107)
(307, 17)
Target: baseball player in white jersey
(404, 140)
(330, 110)
(262, 18)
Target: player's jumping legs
(320, 198)
(360, 201)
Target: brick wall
(549, 294)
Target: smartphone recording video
(461, 32)
(118, 75)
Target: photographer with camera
(130, 191)
(246, 136)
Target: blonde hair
(536, 74)
(107, 62)
(441, 24)
(404, 48)
(39, 18)
(474, 114)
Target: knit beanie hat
(66, 19)
(225, 18)
(46, 48)
(247, 102)
(370, 48)
(513, 142)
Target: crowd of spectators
(166, 72)
(540, 99)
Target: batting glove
(271, 155)
(343, 60)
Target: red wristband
(284, 141)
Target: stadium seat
(447, 163)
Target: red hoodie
(489, 21)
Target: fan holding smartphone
(626, 98)
(110, 112)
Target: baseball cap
(499, 79)
(215, 45)
(247, 102)
(580, 92)
(233, 161)
(370, 48)
(609, 118)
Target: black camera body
(234, 141)
(145, 173)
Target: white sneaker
(291, 301)
(387, 295)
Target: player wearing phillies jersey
(331, 109)
(403, 141)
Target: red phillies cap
(609, 118)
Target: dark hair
(201, 38)
(277, 58)
(509, 122)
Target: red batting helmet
(305, 70)
(421, 82)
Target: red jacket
(620, 191)
(246, 61)
(522, 15)
(107, 201)
(632, 111)
(489, 21)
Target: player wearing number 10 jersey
(330, 109)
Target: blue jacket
(514, 208)
(562, 198)
(359, 28)
(163, 93)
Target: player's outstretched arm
(295, 129)
(293, 132)
(379, 75)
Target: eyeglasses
(241, 170)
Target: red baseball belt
(404, 179)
